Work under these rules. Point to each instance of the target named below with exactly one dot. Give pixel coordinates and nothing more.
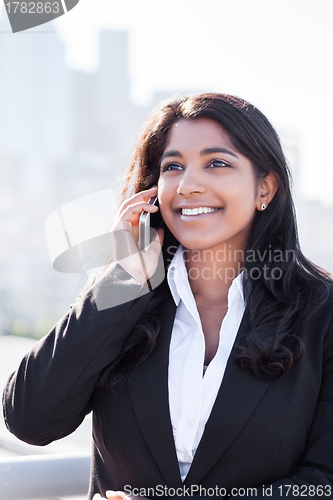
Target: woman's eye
(171, 166)
(219, 164)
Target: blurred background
(74, 93)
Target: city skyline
(275, 54)
(65, 134)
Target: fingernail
(112, 493)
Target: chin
(195, 244)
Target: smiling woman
(218, 380)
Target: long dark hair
(282, 288)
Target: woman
(218, 380)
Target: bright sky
(275, 53)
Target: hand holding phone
(144, 227)
(126, 229)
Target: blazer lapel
(148, 389)
(237, 398)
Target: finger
(131, 215)
(154, 251)
(97, 496)
(141, 206)
(160, 235)
(157, 241)
(114, 495)
(127, 226)
(132, 212)
(141, 196)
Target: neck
(212, 271)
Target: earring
(262, 206)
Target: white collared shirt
(192, 395)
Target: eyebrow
(204, 152)
(208, 151)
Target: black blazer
(268, 438)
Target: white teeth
(196, 211)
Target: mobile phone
(144, 226)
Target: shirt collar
(176, 269)
(178, 279)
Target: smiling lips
(198, 210)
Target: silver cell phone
(144, 227)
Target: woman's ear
(267, 188)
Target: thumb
(158, 239)
(151, 258)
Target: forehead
(197, 133)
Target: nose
(190, 183)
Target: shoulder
(322, 299)
(322, 336)
(327, 318)
(319, 325)
(316, 297)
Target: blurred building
(63, 135)
(106, 122)
(35, 96)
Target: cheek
(165, 194)
(245, 191)
(160, 184)
(244, 213)
(242, 201)
(164, 201)
(160, 193)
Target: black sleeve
(49, 395)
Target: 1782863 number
(33, 7)
(305, 490)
